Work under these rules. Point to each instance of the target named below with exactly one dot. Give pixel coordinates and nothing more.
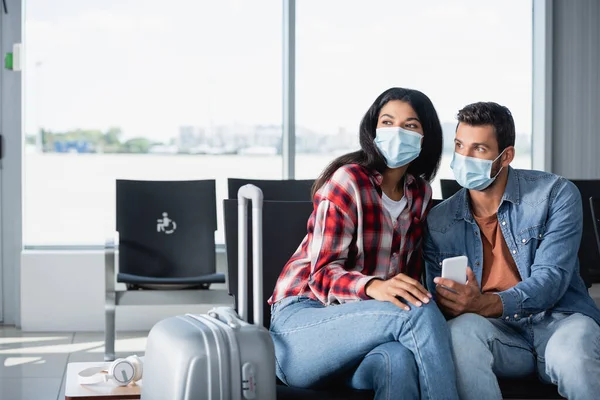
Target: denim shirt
(540, 216)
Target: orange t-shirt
(499, 268)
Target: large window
(144, 89)
(456, 52)
(192, 89)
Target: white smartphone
(455, 269)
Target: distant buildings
(189, 138)
(227, 139)
(259, 139)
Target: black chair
(527, 388)
(166, 243)
(589, 258)
(595, 209)
(284, 227)
(449, 188)
(280, 190)
(435, 202)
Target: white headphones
(123, 371)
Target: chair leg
(109, 329)
(110, 298)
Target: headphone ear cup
(138, 367)
(122, 363)
(111, 368)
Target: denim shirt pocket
(530, 239)
(439, 257)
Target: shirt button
(540, 235)
(524, 240)
(516, 315)
(477, 263)
(507, 318)
(514, 252)
(394, 255)
(476, 233)
(503, 222)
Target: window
(143, 89)
(457, 53)
(192, 90)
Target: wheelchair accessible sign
(166, 224)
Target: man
(524, 308)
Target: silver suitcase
(217, 355)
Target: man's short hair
(489, 113)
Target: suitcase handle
(227, 314)
(255, 195)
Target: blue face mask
(398, 146)
(473, 173)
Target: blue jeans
(368, 344)
(563, 349)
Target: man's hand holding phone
(455, 269)
(455, 298)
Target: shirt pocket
(534, 234)
(440, 257)
(530, 239)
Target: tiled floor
(33, 365)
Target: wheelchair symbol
(165, 224)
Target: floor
(33, 365)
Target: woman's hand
(398, 286)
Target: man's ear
(508, 156)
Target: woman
(348, 305)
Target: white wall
(64, 291)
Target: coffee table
(99, 391)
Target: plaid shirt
(352, 239)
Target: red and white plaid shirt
(352, 239)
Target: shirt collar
(511, 194)
(409, 186)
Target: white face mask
(398, 146)
(473, 173)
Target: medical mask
(398, 146)
(473, 173)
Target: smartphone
(455, 269)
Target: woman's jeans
(370, 344)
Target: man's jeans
(563, 349)
(369, 344)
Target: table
(99, 391)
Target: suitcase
(217, 355)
